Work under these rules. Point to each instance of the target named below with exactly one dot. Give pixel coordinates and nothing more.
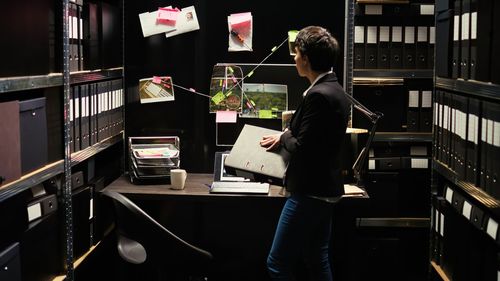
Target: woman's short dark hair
(321, 48)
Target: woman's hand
(271, 142)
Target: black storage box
(41, 247)
(81, 220)
(33, 129)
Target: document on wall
(150, 25)
(240, 32)
(186, 21)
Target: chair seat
(141, 240)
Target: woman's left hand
(271, 142)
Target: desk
(238, 229)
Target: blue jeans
(303, 232)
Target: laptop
(227, 183)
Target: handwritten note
(167, 15)
(240, 20)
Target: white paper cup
(178, 178)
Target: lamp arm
(373, 116)
(363, 155)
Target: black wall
(189, 58)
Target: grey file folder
(248, 159)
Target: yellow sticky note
(230, 69)
(265, 114)
(218, 97)
(229, 93)
(274, 49)
(252, 102)
(274, 109)
(250, 73)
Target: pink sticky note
(240, 20)
(156, 79)
(225, 116)
(192, 90)
(167, 15)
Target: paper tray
(153, 157)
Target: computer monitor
(220, 173)
(280, 74)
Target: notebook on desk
(239, 187)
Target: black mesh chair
(145, 245)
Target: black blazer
(315, 138)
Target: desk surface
(197, 185)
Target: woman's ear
(305, 60)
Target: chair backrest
(141, 239)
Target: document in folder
(250, 160)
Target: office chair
(144, 243)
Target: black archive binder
(456, 39)
(359, 47)
(472, 144)
(371, 47)
(383, 47)
(481, 37)
(422, 47)
(444, 27)
(409, 48)
(396, 49)
(465, 40)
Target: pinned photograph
(186, 21)
(226, 88)
(265, 101)
(156, 89)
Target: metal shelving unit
(22, 83)
(403, 137)
(53, 169)
(394, 73)
(470, 87)
(482, 199)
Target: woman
(313, 177)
